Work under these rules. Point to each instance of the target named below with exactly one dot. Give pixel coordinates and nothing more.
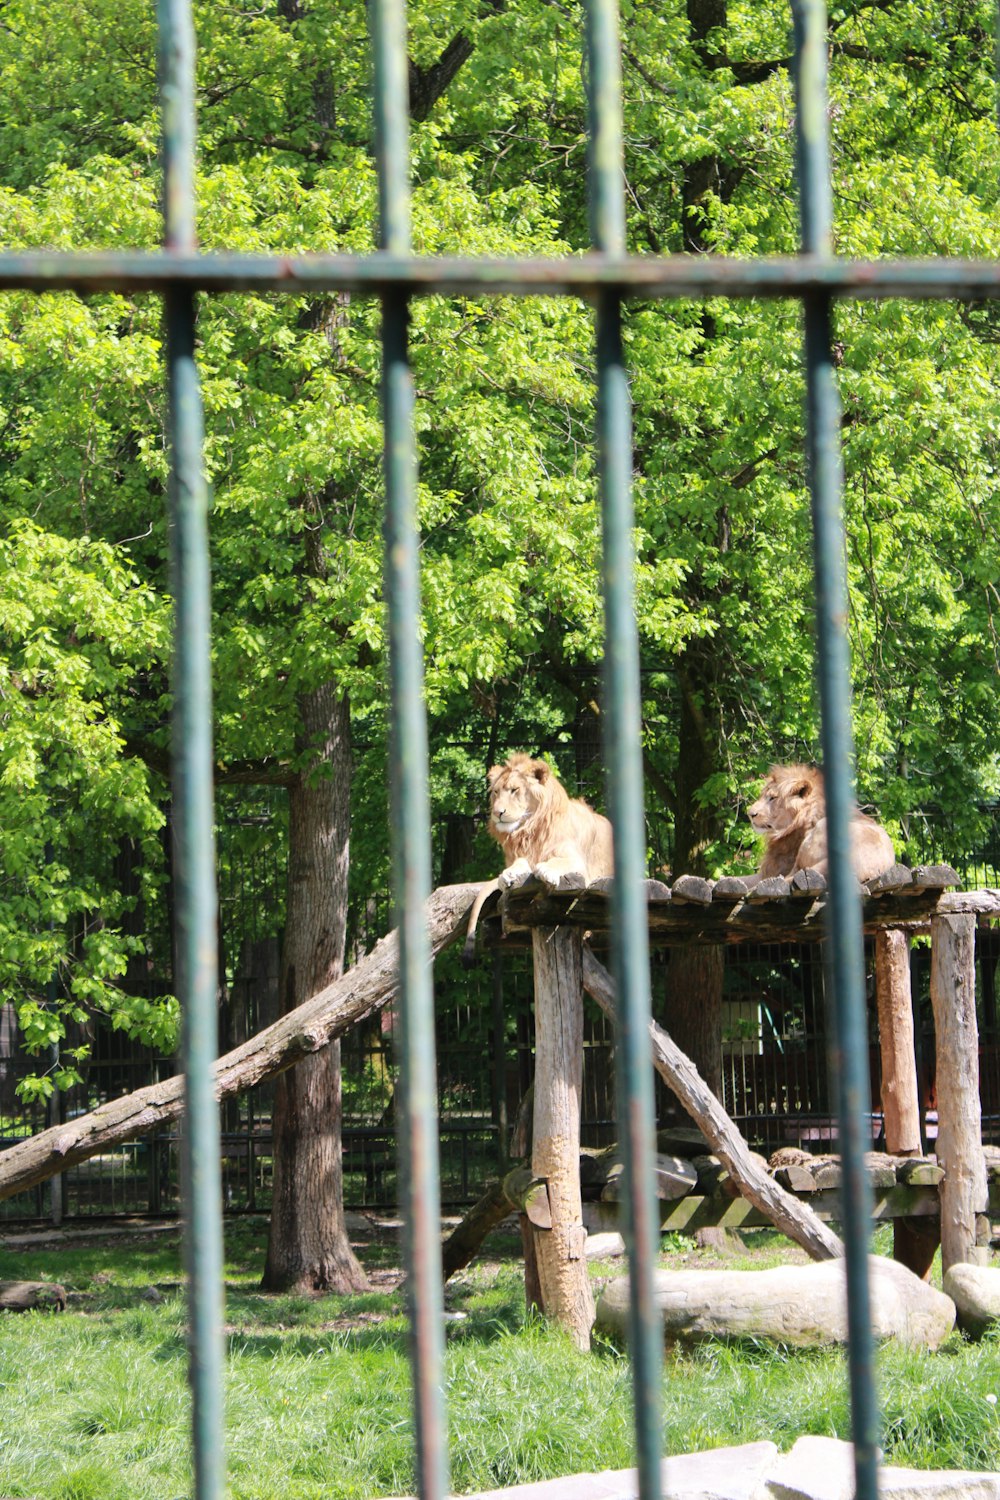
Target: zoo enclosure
(395, 275)
(774, 1052)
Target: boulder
(975, 1291)
(804, 1305)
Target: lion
(791, 814)
(542, 831)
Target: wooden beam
(959, 1142)
(914, 1243)
(900, 1100)
(560, 1256)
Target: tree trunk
(694, 976)
(308, 1247)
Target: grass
(94, 1406)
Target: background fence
(774, 1048)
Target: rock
(975, 1291)
(804, 1305)
(603, 1245)
(823, 1469)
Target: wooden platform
(691, 910)
(902, 1187)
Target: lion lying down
(541, 830)
(791, 814)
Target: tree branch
(268, 771)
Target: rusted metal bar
(622, 747)
(409, 801)
(844, 951)
(192, 765)
(584, 275)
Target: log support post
(914, 1241)
(562, 1279)
(959, 1143)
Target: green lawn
(93, 1402)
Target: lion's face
(791, 797)
(514, 800)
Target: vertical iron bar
(410, 816)
(844, 947)
(194, 844)
(630, 941)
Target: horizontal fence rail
(92, 271)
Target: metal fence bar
(844, 947)
(409, 800)
(371, 275)
(192, 775)
(622, 748)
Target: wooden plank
(807, 883)
(731, 888)
(898, 878)
(694, 889)
(794, 917)
(771, 888)
(934, 877)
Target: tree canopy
(513, 623)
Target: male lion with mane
(791, 814)
(542, 831)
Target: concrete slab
(819, 1468)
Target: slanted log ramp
(735, 1188)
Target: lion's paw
(558, 879)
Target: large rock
(975, 1291)
(791, 1304)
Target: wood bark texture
(679, 1074)
(465, 1239)
(308, 1248)
(900, 1099)
(694, 1008)
(25, 1296)
(363, 990)
(566, 1294)
(960, 1140)
(913, 1244)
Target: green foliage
(77, 629)
(504, 410)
